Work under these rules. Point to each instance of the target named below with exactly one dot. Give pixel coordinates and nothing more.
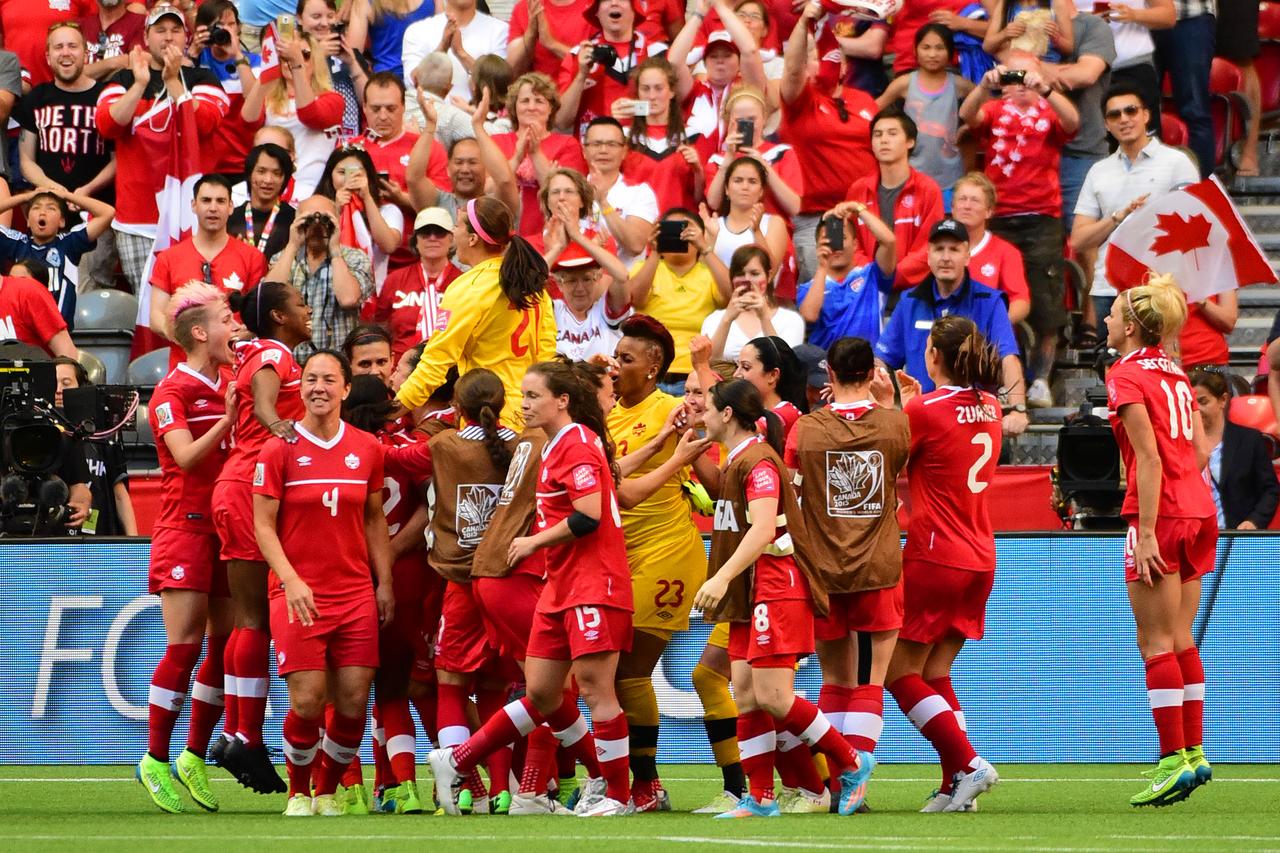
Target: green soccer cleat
(1200, 764)
(194, 776)
(500, 803)
(356, 800)
(465, 801)
(407, 801)
(1169, 779)
(155, 777)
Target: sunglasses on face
(1131, 110)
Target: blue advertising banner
(1057, 678)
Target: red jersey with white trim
(249, 436)
(997, 263)
(1149, 378)
(777, 577)
(657, 161)
(322, 487)
(187, 399)
(591, 569)
(848, 411)
(409, 305)
(955, 445)
(28, 312)
(406, 475)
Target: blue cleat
(853, 783)
(748, 807)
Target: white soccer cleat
(937, 803)
(606, 807)
(724, 802)
(299, 805)
(804, 802)
(536, 804)
(327, 805)
(592, 792)
(448, 779)
(968, 786)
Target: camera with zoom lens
(219, 35)
(604, 54)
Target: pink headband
(476, 226)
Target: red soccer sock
(612, 747)
(253, 666)
(575, 737)
(301, 740)
(833, 701)
(382, 775)
(757, 744)
(398, 727)
(934, 718)
(944, 688)
(864, 717)
(1192, 696)
(168, 691)
(489, 702)
(207, 697)
(353, 775)
(230, 686)
(451, 714)
(806, 722)
(1165, 693)
(342, 736)
(794, 762)
(516, 719)
(425, 705)
(539, 758)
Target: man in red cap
(730, 55)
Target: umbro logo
(304, 461)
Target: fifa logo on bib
(725, 518)
(855, 483)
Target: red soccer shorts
(940, 602)
(779, 632)
(184, 559)
(579, 631)
(1189, 547)
(397, 641)
(871, 610)
(344, 634)
(424, 638)
(462, 645)
(507, 606)
(233, 519)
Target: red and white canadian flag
(1194, 234)
(269, 67)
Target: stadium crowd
(535, 266)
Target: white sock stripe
(815, 730)
(961, 721)
(380, 735)
(298, 756)
(576, 732)
(339, 753)
(758, 745)
(1193, 692)
(230, 685)
(520, 717)
(786, 742)
(863, 724)
(252, 687)
(837, 719)
(207, 694)
(399, 745)
(612, 750)
(926, 709)
(169, 700)
(1169, 697)
(453, 736)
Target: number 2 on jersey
(983, 440)
(330, 499)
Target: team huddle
(511, 533)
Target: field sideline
(1070, 808)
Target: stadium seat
(1254, 411)
(1228, 106)
(104, 324)
(1173, 130)
(147, 370)
(92, 365)
(143, 425)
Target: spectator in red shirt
(111, 33)
(662, 154)
(409, 302)
(389, 142)
(541, 39)
(993, 261)
(28, 313)
(1203, 340)
(210, 255)
(910, 202)
(730, 55)
(829, 125)
(1022, 133)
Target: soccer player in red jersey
(266, 384)
(770, 365)
(191, 414)
(948, 564)
(1173, 533)
(755, 582)
(329, 594)
(583, 616)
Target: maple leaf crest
(1181, 234)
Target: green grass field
(1035, 808)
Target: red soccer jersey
(568, 25)
(661, 165)
(1023, 150)
(789, 414)
(249, 436)
(997, 263)
(28, 313)
(829, 148)
(323, 486)
(237, 267)
(409, 305)
(591, 569)
(1149, 378)
(186, 399)
(955, 445)
(392, 156)
(406, 473)
(777, 578)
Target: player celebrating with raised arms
(847, 457)
(191, 413)
(949, 562)
(266, 385)
(583, 617)
(770, 598)
(325, 603)
(1173, 532)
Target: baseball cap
(437, 216)
(165, 10)
(814, 359)
(949, 229)
(574, 257)
(721, 37)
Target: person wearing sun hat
(409, 302)
(591, 305)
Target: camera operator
(108, 510)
